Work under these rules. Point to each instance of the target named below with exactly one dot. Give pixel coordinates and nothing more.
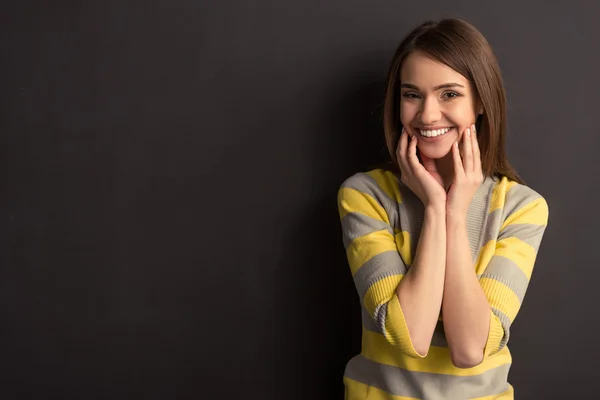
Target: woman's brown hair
(459, 45)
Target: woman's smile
(434, 135)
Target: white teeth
(434, 133)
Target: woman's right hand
(415, 176)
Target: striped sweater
(381, 222)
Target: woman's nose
(430, 111)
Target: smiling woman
(446, 75)
(433, 110)
(442, 241)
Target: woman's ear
(480, 108)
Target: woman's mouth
(435, 134)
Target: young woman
(442, 242)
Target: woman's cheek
(407, 113)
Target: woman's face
(436, 103)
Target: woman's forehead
(423, 72)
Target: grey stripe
(405, 216)
(528, 233)
(378, 267)
(368, 322)
(477, 215)
(355, 225)
(367, 185)
(491, 227)
(411, 213)
(380, 316)
(426, 385)
(518, 197)
(505, 322)
(507, 272)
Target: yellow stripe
(519, 252)
(495, 335)
(485, 255)
(387, 182)
(501, 297)
(381, 292)
(535, 213)
(352, 200)
(508, 395)
(358, 391)
(403, 245)
(516, 250)
(499, 193)
(376, 348)
(363, 248)
(396, 329)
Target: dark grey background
(168, 224)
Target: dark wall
(168, 173)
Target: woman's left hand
(467, 174)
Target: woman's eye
(450, 95)
(410, 95)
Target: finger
(458, 165)
(476, 152)
(399, 147)
(467, 150)
(411, 155)
(402, 148)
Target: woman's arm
(465, 308)
(420, 292)
(478, 313)
(380, 256)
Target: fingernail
(413, 137)
(456, 144)
(473, 127)
(468, 132)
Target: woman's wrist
(436, 209)
(455, 217)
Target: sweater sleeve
(377, 255)
(507, 275)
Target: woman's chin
(434, 152)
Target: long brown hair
(459, 45)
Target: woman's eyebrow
(444, 86)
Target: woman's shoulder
(375, 182)
(512, 195)
(374, 193)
